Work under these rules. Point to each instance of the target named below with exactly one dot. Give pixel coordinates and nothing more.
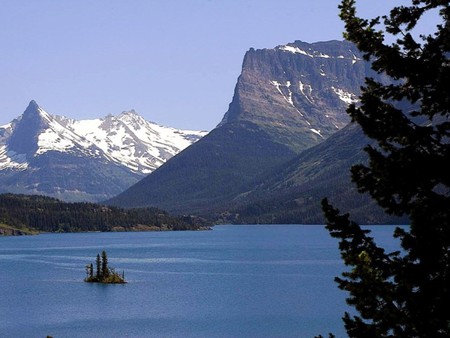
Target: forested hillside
(45, 214)
(292, 193)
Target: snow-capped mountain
(124, 148)
(130, 140)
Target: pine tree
(98, 264)
(401, 294)
(87, 267)
(105, 269)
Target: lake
(233, 281)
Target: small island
(103, 273)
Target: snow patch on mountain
(345, 96)
(288, 97)
(355, 59)
(297, 50)
(306, 90)
(11, 160)
(315, 131)
(316, 54)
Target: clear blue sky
(175, 62)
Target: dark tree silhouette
(105, 269)
(98, 264)
(401, 294)
(31, 213)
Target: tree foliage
(51, 215)
(98, 264)
(105, 268)
(405, 293)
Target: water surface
(234, 281)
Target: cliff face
(298, 92)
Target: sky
(175, 62)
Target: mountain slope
(88, 160)
(208, 173)
(286, 100)
(293, 193)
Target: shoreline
(8, 231)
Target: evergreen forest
(22, 214)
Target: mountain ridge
(120, 149)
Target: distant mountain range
(85, 160)
(282, 146)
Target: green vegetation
(404, 293)
(44, 214)
(104, 274)
(6, 230)
(292, 193)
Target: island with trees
(103, 273)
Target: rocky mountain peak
(27, 129)
(33, 104)
(131, 117)
(131, 112)
(36, 112)
(33, 110)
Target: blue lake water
(233, 281)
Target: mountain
(88, 160)
(298, 92)
(287, 100)
(294, 191)
(208, 173)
